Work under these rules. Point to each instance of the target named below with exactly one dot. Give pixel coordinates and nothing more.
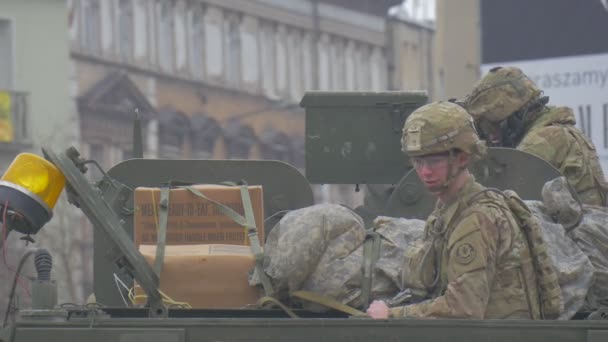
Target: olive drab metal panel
(285, 188)
(354, 137)
(303, 330)
(503, 168)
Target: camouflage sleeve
(472, 250)
(550, 143)
(558, 147)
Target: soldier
(476, 262)
(511, 112)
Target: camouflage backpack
(550, 295)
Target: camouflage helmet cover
(440, 127)
(503, 91)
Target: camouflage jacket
(553, 137)
(478, 264)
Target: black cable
(14, 286)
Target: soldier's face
(433, 171)
(491, 132)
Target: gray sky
(417, 9)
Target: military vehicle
(351, 138)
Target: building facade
(223, 78)
(209, 79)
(216, 79)
(411, 55)
(457, 47)
(34, 100)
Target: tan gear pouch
(550, 292)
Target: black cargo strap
(161, 234)
(327, 302)
(249, 223)
(264, 301)
(371, 254)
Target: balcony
(13, 119)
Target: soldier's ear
(462, 160)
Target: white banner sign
(579, 82)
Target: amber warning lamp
(29, 190)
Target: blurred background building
(218, 79)
(34, 101)
(34, 113)
(457, 44)
(209, 78)
(223, 79)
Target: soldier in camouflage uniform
(511, 112)
(476, 262)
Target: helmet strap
(452, 174)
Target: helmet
(440, 127)
(500, 93)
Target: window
(306, 51)
(205, 133)
(214, 56)
(232, 45)
(6, 55)
(238, 140)
(350, 65)
(197, 41)
(125, 29)
(324, 67)
(141, 21)
(165, 36)
(281, 59)
(363, 73)
(378, 70)
(295, 65)
(173, 132)
(337, 64)
(250, 56)
(584, 114)
(276, 145)
(268, 59)
(91, 26)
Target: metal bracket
(100, 212)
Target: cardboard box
(205, 276)
(193, 220)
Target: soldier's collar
(458, 195)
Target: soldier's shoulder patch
(464, 253)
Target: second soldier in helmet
(512, 112)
